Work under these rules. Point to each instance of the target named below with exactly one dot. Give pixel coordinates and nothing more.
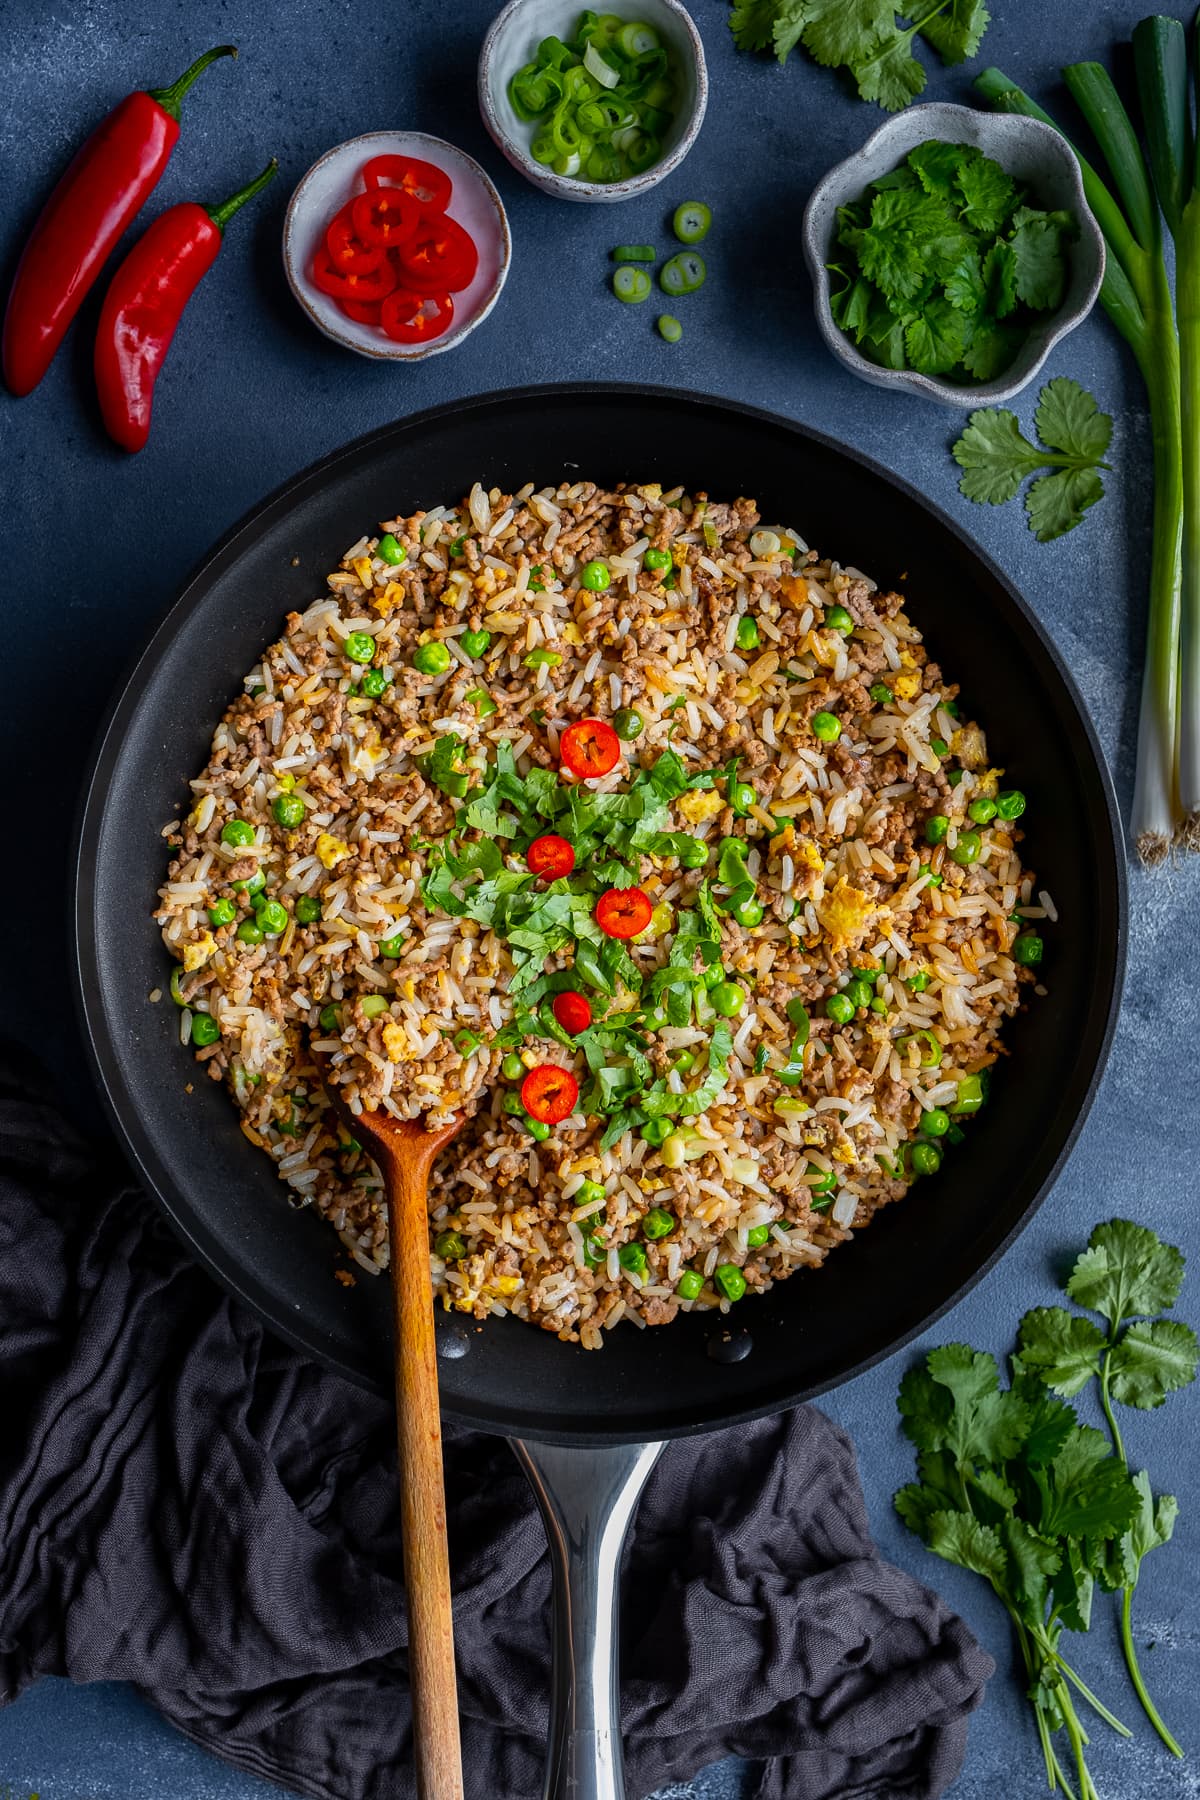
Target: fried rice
(764, 1136)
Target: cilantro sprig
(995, 458)
(1014, 1487)
(944, 264)
(865, 37)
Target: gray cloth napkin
(188, 1505)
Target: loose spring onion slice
(635, 253)
(683, 274)
(691, 222)
(631, 284)
(670, 328)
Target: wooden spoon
(404, 1151)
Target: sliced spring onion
(670, 328)
(637, 39)
(683, 274)
(598, 69)
(634, 253)
(631, 284)
(691, 222)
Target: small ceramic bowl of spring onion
(593, 106)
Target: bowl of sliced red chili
(396, 245)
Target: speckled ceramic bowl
(1032, 152)
(331, 181)
(512, 41)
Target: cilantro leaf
(961, 1539)
(1089, 1491)
(753, 24)
(1063, 1349)
(1000, 277)
(844, 31)
(1155, 1521)
(936, 338)
(1068, 419)
(1151, 1361)
(984, 1422)
(1049, 1421)
(991, 349)
(892, 249)
(1073, 1587)
(995, 455)
(1032, 1559)
(964, 284)
(1037, 244)
(936, 165)
(989, 195)
(790, 22)
(1055, 504)
(1126, 1271)
(955, 35)
(891, 74)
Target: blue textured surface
(94, 546)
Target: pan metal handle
(587, 1497)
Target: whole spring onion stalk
(1161, 62)
(1136, 294)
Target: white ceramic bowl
(512, 41)
(331, 181)
(1032, 152)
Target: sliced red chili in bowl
(410, 318)
(549, 1093)
(365, 312)
(550, 857)
(423, 180)
(345, 284)
(384, 217)
(347, 249)
(441, 256)
(573, 1012)
(589, 748)
(623, 912)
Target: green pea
(475, 643)
(730, 1280)
(512, 1103)
(628, 724)
(871, 976)
(690, 1285)
(839, 1008)
(451, 1246)
(289, 810)
(359, 647)
(747, 633)
(748, 913)
(308, 909)
(587, 1193)
(936, 828)
(392, 946)
(222, 912)
(633, 1258)
(939, 746)
(926, 1159)
(838, 619)
(1010, 805)
(657, 1131)
(252, 883)
(431, 659)
(391, 550)
(538, 1130)
(331, 1018)
(742, 797)
(881, 693)
(983, 810)
(1028, 948)
(827, 727)
(659, 1223)
(237, 832)
(879, 1004)
(693, 854)
(205, 1030)
(250, 932)
(757, 1236)
(916, 984)
(936, 1122)
(858, 993)
(966, 850)
(373, 1005)
(657, 559)
(713, 975)
(595, 577)
(374, 683)
(272, 918)
(728, 998)
(512, 1068)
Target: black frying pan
(813, 1330)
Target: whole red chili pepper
(98, 194)
(145, 302)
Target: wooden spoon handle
(422, 1490)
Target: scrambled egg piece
(331, 850)
(846, 912)
(908, 685)
(699, 805)
(806, 852)
(572, 634)
(362, 568)
(395, 1042)
(506, 1284)
(392, 593)
(196, 955)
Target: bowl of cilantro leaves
(952, 252)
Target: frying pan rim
(138, 677)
